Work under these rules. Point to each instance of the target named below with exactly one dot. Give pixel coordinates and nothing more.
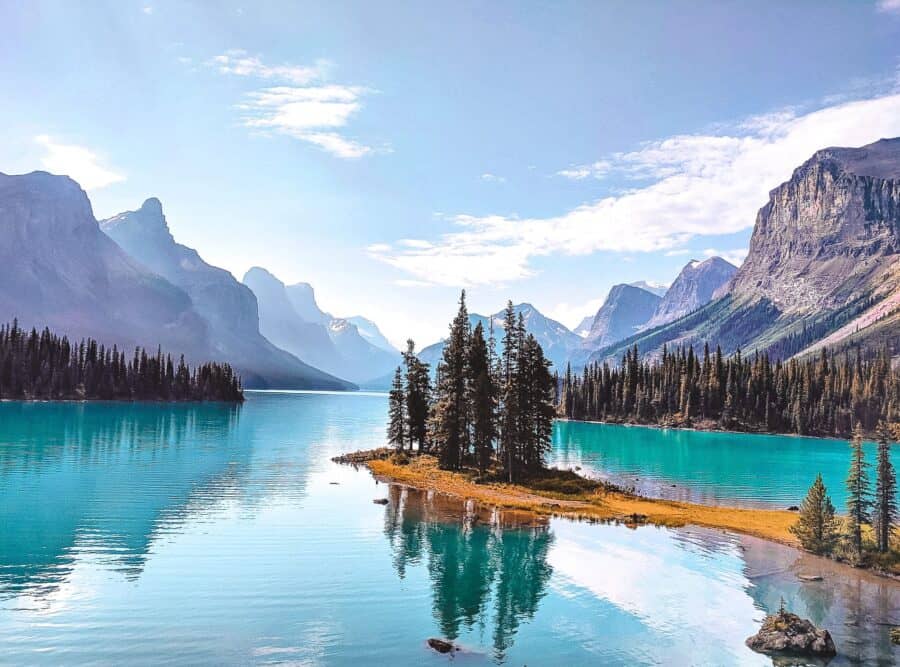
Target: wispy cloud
(77, 162)
(597, 169)
(699, 185)
(889, 6)
(492, 178)
(147, 10)
(309, 109)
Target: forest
(826, 395)
(488, 411)
(46, 366)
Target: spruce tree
(885, 506)
(858, 500)
(397, 411)
(816, 527)
(509, 392)
(418, 397)
(451, 410)
(481, 399)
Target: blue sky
(391, 153)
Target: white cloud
(77, 162)
(702, 184)
(678, 252)
(597, 169)
(736, 256)
(492, 178)
(309, 109)
(571, 314)
(148, 9)
(889, 6)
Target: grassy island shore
(595, 502)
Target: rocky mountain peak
(823, 235)
(694, 287)
(626, 308)
(146, 225)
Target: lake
(209, 534)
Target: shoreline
(423, 473)
(605, 505)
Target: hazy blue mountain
(60, 270)
(291, 318)
(694, 287)
(557, 341)
(653, 288)
(228, 307)
(370, 331)
(625, 310)
(584, 327)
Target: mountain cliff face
(694, 287)
(625, 310)
(61, 271)
(370, 331)
(228, 307)
(822, 265)
(827, 233)
(290, 317)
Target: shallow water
(738, 469)
(205, 534)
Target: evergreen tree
(509, 391)
(397, 411)
(450, 411)
(482, 399)
(858, 500)
(418, 397)
(885, 506)
(816, 527)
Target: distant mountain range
(822, 269)
(290, 317)
(822, 266)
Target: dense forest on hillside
(45, 366)
(824, 395)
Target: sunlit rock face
(694, 287)
(625, 310)
(828, 233)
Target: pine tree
(482, 399)
(509, 390)
(858, 501)
(816, 527)
(397, 411)
(885, 506)
(418, 396)
(450, 412)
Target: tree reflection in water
(488, 568)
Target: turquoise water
(717, 468)
(205, 534)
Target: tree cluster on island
(824, 395)
(486, 410)
(868, 513)
(46, 366)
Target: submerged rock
(441, 646)
(788, 634)
(895, 635)
(809, 577)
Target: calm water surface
(149, 534)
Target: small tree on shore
(396, 411)
(816, 528)
(858, 498)
(885, 506)
(418, 397)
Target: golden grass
(423, 472)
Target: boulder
(785, 633)
(440, 645)
(380, 501)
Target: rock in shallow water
(440, 645)
(788, 634)
(380, 501)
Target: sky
(393, 153)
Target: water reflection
(485, 566)
(103, 480)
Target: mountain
(228, 307)
(291, 318)
(653, 288)
(626, 308)
(557, 341)
(822, 265)
(694, 287)
(61, 271)
(370, 331)
(584, 327)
